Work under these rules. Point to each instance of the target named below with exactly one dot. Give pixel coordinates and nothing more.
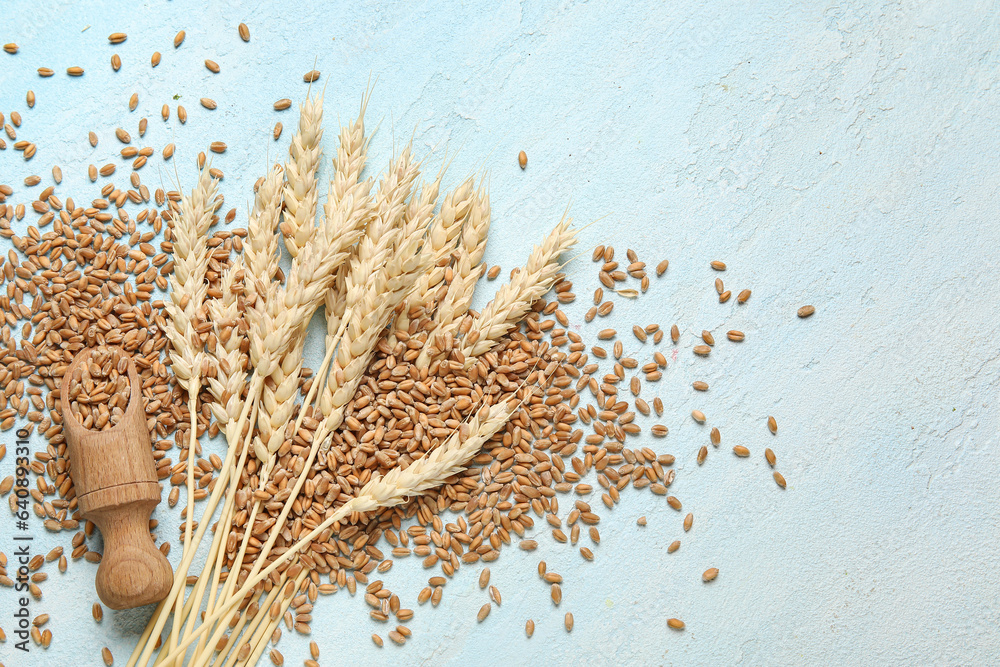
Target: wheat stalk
(300, 177)
(225, 386)
(381, 491)
(185, 311)
(514, 299)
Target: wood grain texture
(115, 480)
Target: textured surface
(843, 154)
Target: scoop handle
(133, 572)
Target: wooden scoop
(115, 481)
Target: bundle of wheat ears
(412, 386)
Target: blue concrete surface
(842, 154)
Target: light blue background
(842, 154)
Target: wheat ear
(366, 283)
(441, 238)
(300, 177)
(454, 305)
(260, 252)
(514, 299)
(347, 167)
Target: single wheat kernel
(720, 287)
(771, 458)
(106, 655)
(715, 436)
(586, 553)
(182, 114)
(675, 624)
(529, 627)
(244, 32)
(208, 103)
(717, 265)
(133, 101)
(698, 416)
(675, 333)
(688, 522)
(806, 311)
(311, 75)
(522, 159)
(708, 337)
(724, 297)
(598, 254)
(495, 595)
(75, 71)
(179, 38)
(674, 546)
(734, 335)
(277, 130)
(484, 611)
(569, 622)
(30, 99)
(45, 72)
(772, 425)
(556, 594)
(484, 577)
(700, 385)
(282, 104)
(606, 334)
(641, 521)
(702, 350)
(168, 151)
(674, 503)
(217, 147)
(98, 612)
(10, 48)
(779, 479)
(639, 332)
(117, 37)
(662, 267)
(740, 450)
(155, 59)
(710, 574)
(702, 454)
(116, 62)
(493, 272)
